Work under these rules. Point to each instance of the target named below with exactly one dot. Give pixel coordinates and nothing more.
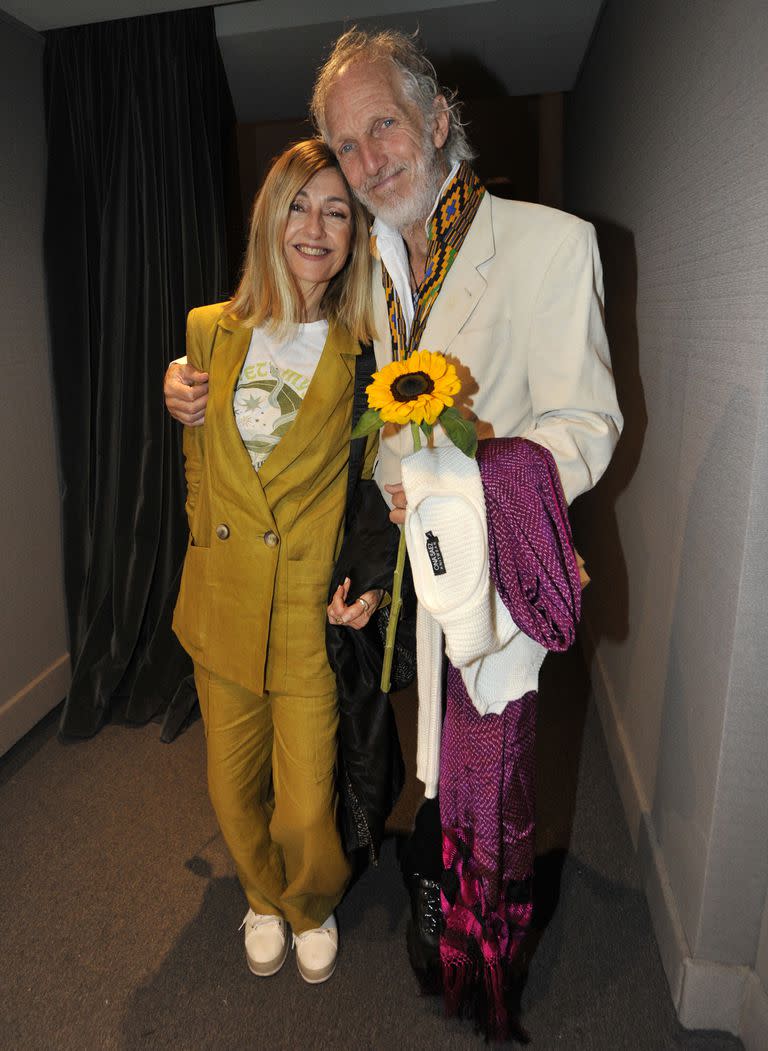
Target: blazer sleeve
(194, 437)
(575, 412)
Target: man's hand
(186, 394)
(358, 613)
(399, 503)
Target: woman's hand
(357, 614)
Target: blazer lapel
(464, 284)
(226, 365)
(331, 381)
(462, 290)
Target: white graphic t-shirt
(272, 384)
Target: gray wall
(667, 152)
(34, 663)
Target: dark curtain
(140, 137)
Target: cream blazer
(520, 315)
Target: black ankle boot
(422, 936)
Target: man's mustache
(381, 177)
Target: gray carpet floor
(119, 910)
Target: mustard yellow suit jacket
(253, 594)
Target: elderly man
(511, 292)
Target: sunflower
(415, 390)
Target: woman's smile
(311, 250)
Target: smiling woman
(267, 483)
(302, 185)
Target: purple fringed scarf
(487, 768)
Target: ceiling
(271, 48)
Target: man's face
(389, 156)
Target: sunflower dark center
(409, 386)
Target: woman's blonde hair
(268, 293)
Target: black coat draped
(370, 762)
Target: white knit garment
(429, 664)
(494, 680)
(446, 529)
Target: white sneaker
(316, 952)
(266, 944)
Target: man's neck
(417, 246)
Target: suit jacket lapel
(331, 381)
(462, 290)
(464, 284)
(226, 364)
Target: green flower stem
(416, 435)
(397, 585)
(394, 615)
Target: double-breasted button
(271, 539)
(222, 531)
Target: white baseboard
(20, 713)
(712, 995)
(754, 1016)
(627, 779)
(667, 926)
(706, 994)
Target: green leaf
(460, 430)
(370, 421)
(427, 428)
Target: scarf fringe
(482, 946)
(477, 987)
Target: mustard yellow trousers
(271, 767)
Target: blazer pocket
(193, 605)
(481, 334)
(308, 583)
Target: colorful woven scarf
(447, 229)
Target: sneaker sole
(316, 977)
(266, 970)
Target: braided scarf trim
(447, 229)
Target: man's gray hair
(418, 77)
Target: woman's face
(319, 232)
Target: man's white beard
(402, 212)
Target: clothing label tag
(435, 554)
